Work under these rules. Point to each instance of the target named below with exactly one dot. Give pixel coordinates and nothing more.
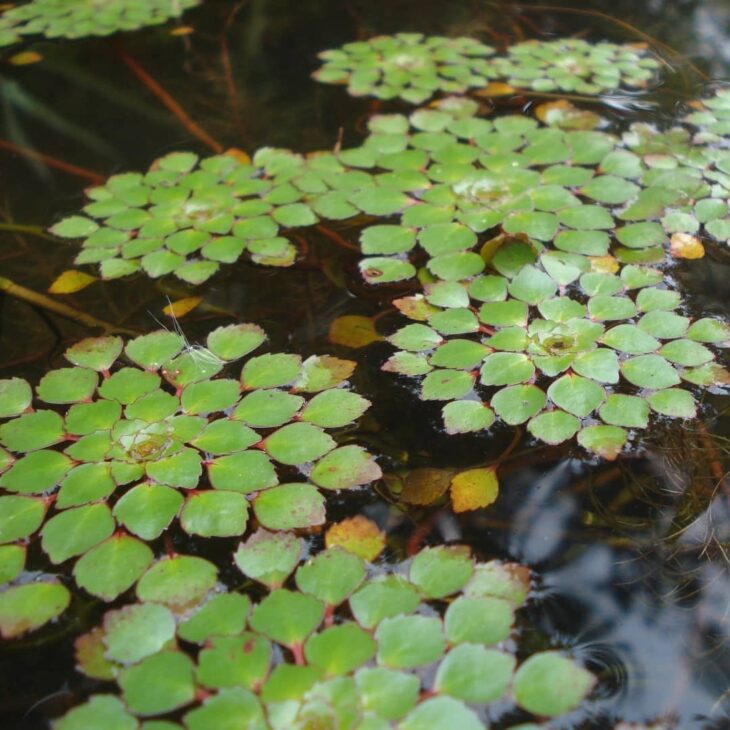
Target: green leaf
(268, 408)
(99, 711)
(12, 562)
(531, 286)
(269, 557)
(298, 443)
(214, 513)
(76, 531)
(15, 397)
(630, 339)
(708, 329)
(224, 437)
(673, 402)
(475, 674)
(222, 615)
(229, 661)
(504, 314)
(649, 371)
(479, 620)
(339, 649)
(345, 468)
(406, 642)
(334, 408)
(331, 576)
(137, 631)
(506, 368)
(554, 427)
(290, 507)
(112, 567)
(441, 712)
(74, 226)
(383, 597)
(147, 509)
(383, 270)
(287, 617)
(97, 353)
(178, 581)
(32, 431)
(606, 441)
(518, 403)
(270, 370)
(229, 709)
(210, 396)
(245, 472)
(577, 395)
(159, 684)
(28, 607)
(85, 418)
(388, 693)
(686, 352)
(440, 571)
(629, 411)
(155, 349)
(182, 469)
(442, 384)
(550, 684)
(128, 384)
(464, 416)
(67, 385)
(36, 472)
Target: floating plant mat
(606, 354)
(335, 648)
(80, 18)
(414, 67)
(107, 453)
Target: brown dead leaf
(424, 486)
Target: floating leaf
(289, 507)
(474, 489)
(269, 557)
(27, 607)
(70, 282)
(357, 535)
(353, 330)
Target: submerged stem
(172, 105)
(54, 162)
(64, 310)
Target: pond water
(631, 557)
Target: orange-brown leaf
(181, 307)
(358, 535)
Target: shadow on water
(633, 557)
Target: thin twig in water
(172, 105)
(53, 162)
(64, 310)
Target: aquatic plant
(576, 65)
(409, 66)
(80, 18)
(186, 216)
(607, 349)
(414, 67)
(338, 648)
(99, 469)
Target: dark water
(632, 557)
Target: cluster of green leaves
(338, 648)
(408, 66)
(572, 350)
(80, 18)
(414, 67)
(685, 176)
(186, 216)
(575, 65)
(107, 460)
(454, 175)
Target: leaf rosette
(569, 349)
(81, 18)
(186, 216)
(338, 646)
(409, 66)
(109, 452)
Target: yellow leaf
(684, 246)
(415, 307)
(604, 264)
(25, 58)
(357, 535)
(71, 281)
(353, 330)
(474, 488)
(182, 30)
(182, 307)
(240, 155)
(496, 88)
(565, 115)
(424, 486)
